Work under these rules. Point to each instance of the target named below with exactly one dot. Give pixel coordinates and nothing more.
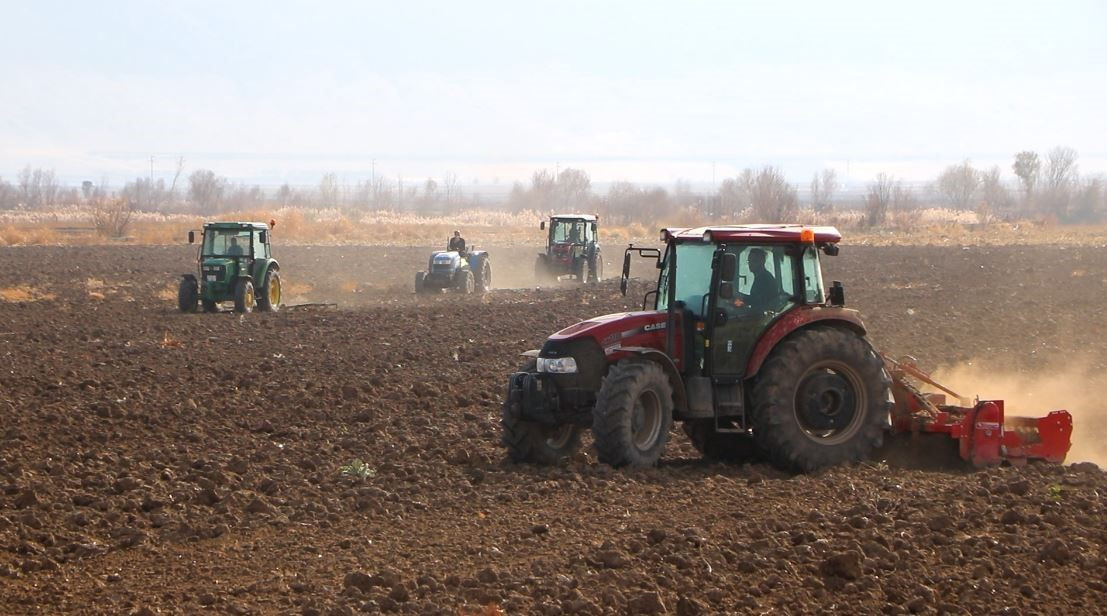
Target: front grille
(445, 268)
(219, 271)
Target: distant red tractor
(756, 356)
(572, 249)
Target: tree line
(1048, 187)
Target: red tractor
(572, 249)
(748, 348)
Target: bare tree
(205, 190)
(329, 191)
(1089, 203)
(1027, 166)
(112, 216)
(736, 194)
(574, 189)
(823, 187)
(9, 196)
(878, 197)
(449, 182)
(772, 197)
(995, 199)
(38, 188)
(1059, 177)
(958, 184)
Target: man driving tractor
(457, 243)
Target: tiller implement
(985, 436)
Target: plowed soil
(153, 462)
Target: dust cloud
(1070, 386)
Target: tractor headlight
(557, 365)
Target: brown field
(153, 462)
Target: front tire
(821, 399)
(465, 283)
(187, 295)
(244, 298)
(420, 283)
(528, 441)
(269, 298)
(633, 414)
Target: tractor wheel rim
(645, 420)
(559, 436)
(249, 297)
(829, 403)
(274, 291)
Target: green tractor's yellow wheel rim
(249, 296)
(274, 291)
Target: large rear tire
(484, 276)
(188, 293)
(528, 441)
(821, 399)
(633, 414)
(244, 298)
(269, 296)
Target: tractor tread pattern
(775, 426)
(611, 417)
(525, 440)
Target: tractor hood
(445, 259)
(641, 328)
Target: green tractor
(235, 263)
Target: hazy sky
(640, 90)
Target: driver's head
(756, 258)
(234, 241)
(457, 233)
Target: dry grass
(486, 228)
(24, 293)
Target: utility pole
(151, 170)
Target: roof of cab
(751, 234)
(586, 217)
(229, 224)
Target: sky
(269, 92)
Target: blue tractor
(462, 271)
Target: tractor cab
(235, 263)
(572, 248)
(725, 286)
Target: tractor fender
(680, 396)
(263, 269)
(800, 319)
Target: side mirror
(263, 237)
(542, 225)
(831, 250)
(626, 273)
(191, 237)
(726, 290)
(729, 266)
(837, 294)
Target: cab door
(737, 321)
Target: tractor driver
(234, 250)
(764, 290)
(457, 243)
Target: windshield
(573, 231)
(765, 282)
(227, 242)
